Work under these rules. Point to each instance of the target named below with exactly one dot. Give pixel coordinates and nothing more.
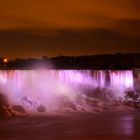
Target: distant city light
(5, 60)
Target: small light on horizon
(5, 60)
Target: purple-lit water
(32, 88)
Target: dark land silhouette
(102, 61)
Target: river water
(73, 126)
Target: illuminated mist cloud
(50, 88)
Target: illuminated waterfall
(46, 86)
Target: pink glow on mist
(46, 86)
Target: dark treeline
(103, 61)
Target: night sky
(34, 28)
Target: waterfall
(47, 86)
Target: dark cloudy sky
(33, 28)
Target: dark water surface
(73, 126)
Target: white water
(46, 87)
